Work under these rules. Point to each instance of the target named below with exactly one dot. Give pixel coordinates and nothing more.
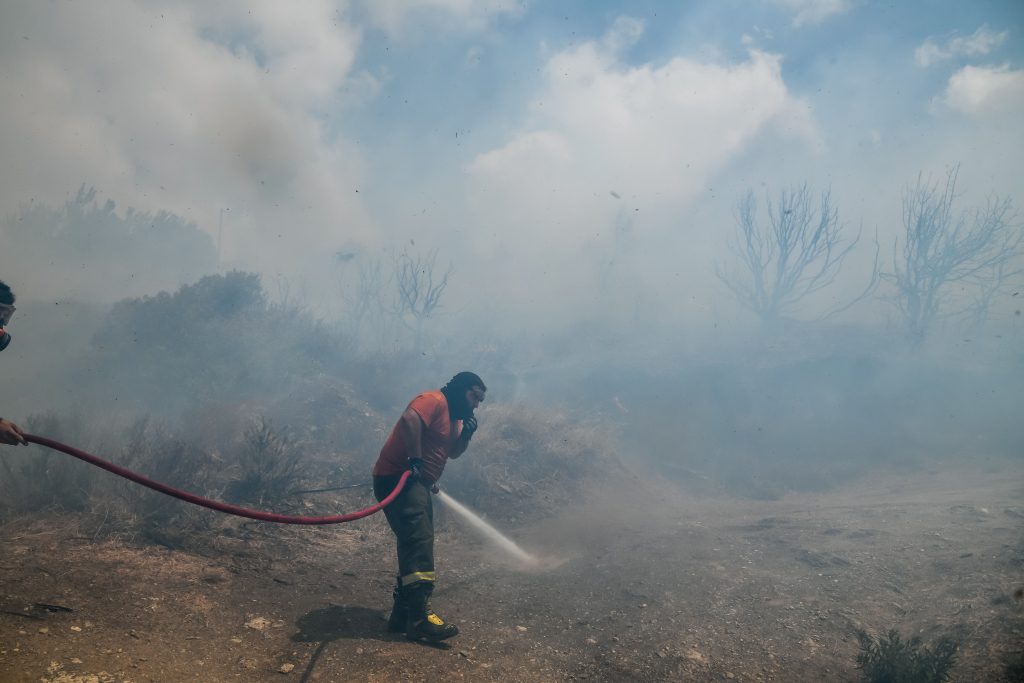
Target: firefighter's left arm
(462, 443)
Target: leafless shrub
(799, 251)
(421, 286)
(365, 298)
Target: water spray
(489, 531)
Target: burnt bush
(259, 466)
(266, 466)
(150, 447)
(35, 478)
(335, 420)
(891, 659)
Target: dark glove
(468, 428)
(416, 467)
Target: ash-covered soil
(639, 582)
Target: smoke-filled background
(261, 204)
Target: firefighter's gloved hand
(468, 428)
(416, 467)
(435, 489)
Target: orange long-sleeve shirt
(437, 438)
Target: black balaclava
(455, 393)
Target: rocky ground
(643, 582)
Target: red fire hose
(213, 504)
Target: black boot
(422, 622)
(399, 613)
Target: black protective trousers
(411, 517)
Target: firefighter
(10, 433)
(436, 426)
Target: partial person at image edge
(10, 433)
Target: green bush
(217, 340)
(890, 659)
(1013, 667)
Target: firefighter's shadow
(339, 622)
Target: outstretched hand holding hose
(11, 433)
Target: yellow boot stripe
(418, 576)
(435, 620)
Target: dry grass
(525, 462)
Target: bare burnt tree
(990, 286)
(799, 251)
(951, 263)
(365, 298)
(286, 305)
(420, 288)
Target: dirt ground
(645, 582)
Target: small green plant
(890, 659)
(1013, 667)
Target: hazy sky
(566, 156)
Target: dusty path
(643, 584)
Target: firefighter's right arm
(11, 433)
